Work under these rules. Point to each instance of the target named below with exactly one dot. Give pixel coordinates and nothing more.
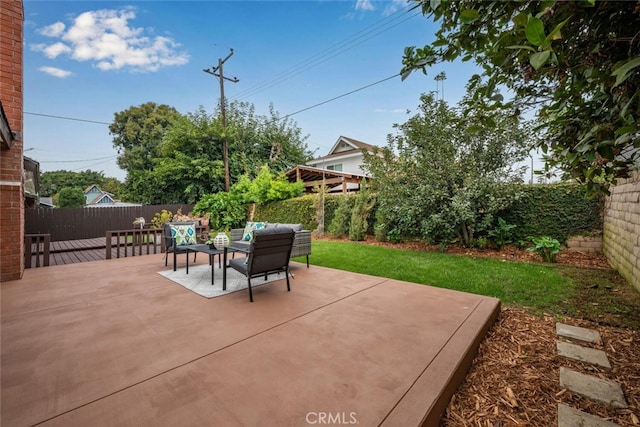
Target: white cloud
(393, 7)
(58, 48)
(56, 72)
(105, 38)
(364, 5)
(53, 30)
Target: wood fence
(87, 223)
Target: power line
(282, 118)
(67, 118)
(341, 96)
(329, 53)
(78, 161)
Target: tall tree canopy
(53, 182)
(437, 178)
(137, 134)
(574, 62)
(182, 158)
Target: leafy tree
(267, 187)
(575, 62)
(137, 134)
(257, 140)
(71, 197)
(189, 163)
(226, 210)
(441, 184)
(52, 182)
(182, 158)
(229, 210)
(110, 185)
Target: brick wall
(621, 240)
(11, 163)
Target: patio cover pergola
(344, 182)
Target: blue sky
(91, 59)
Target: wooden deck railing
(124, 243)
(36, 245)
(128, 242)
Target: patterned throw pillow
(247, 234)
(185, 234)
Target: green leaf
(555, 33)
(467, 16)
(440, 42)
(622, 73)
(538, 59)
(535, 31)
(521, 47)
(520, 19)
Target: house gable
(91, 193)
(346, 155)
(104, 198)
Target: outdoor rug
(199, 280)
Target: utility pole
(217, 71)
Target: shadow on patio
(114, 343)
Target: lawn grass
(548, 288)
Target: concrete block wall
(590, 244)
(11, 162)
(621, 239)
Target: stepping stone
(577, 333)
(594, 388)
(583, 354)
(569, 417)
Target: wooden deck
(83, 250)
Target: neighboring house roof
(104, 198)
(345, 147)
(46, 202)
(112, 204)
(92, 188)
(95, 195)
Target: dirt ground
(514, 379)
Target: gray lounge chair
(268, 252)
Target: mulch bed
(514, 379)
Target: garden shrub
(340, 224)
(364, 202)
(555, 210)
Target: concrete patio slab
(113, 343)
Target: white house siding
(350, 164)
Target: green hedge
(556, 210)
(297, 210)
